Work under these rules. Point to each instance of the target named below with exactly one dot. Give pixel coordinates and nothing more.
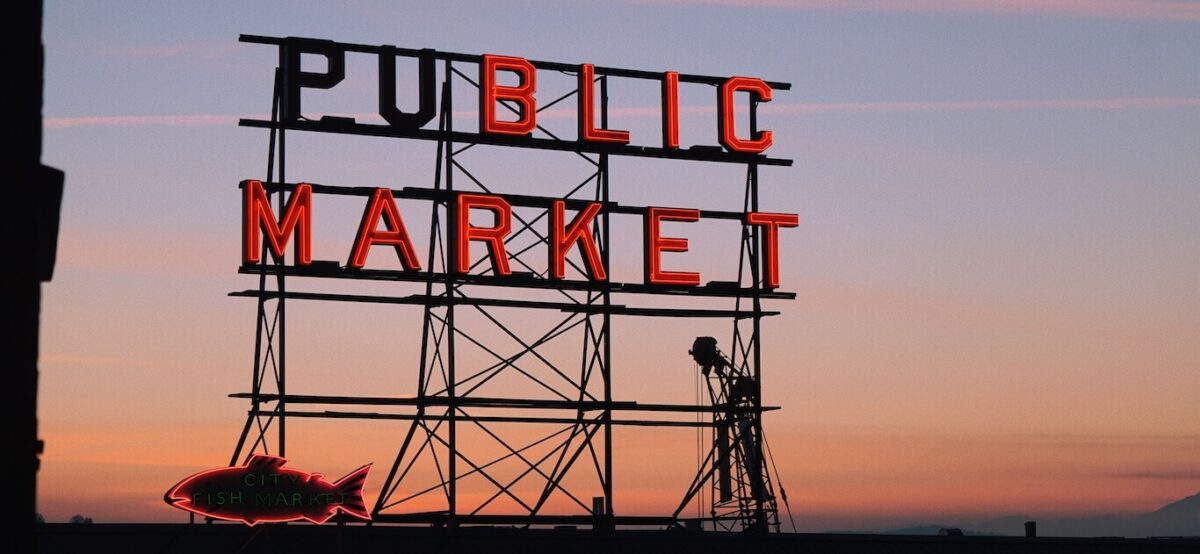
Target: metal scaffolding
(558, 430)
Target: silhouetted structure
(573, 404)
(30, 226)
(358, 539)
(735, 468)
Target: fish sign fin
(322, 517)
(351, 487)
(265, 461)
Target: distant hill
(905, 530)
(1177, 519)
(913, 530)
(1180, 518)
(1189, 506)
(932, 530)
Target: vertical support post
(261, 317)
(452, 248)
(756, 269)
(281, 325)
(424, 368)
(721, 460)
(606, 372)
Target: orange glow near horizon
(966, 453)
(864, 475)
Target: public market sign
(507, 115)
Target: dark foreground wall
(356, 539)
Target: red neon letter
(587, 104)
(257, 215)
(670, 109)
(382, 205)
(493, 236)
(656, 244)
(562, 241)
(760, 91)
(772, 222)
(522, 94)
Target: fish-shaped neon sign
(264, 491)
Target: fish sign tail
(351, 488)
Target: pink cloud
(1108, 9)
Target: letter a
(382, 206)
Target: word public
(521, 97)
(383, 226)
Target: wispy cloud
(158, 51)
(139, 121)
(1128, 442)
(982, 105)
(774, 108)
(60, 360)
(1179, 475)
(1171, 10)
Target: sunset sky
(997, 263)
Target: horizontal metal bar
(423, 300)
(517, 519)
(334, 270)
(522, 200)
(476, 58)
(329, 414)
(350, 127)
(490, 402)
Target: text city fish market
(269, 498)
(233, 498)
(383, 225)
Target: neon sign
(564, 250)
(495, 101)
(264, 491)
(523, 95)
(262, 228)
(507, 115)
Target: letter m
(259, 221)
